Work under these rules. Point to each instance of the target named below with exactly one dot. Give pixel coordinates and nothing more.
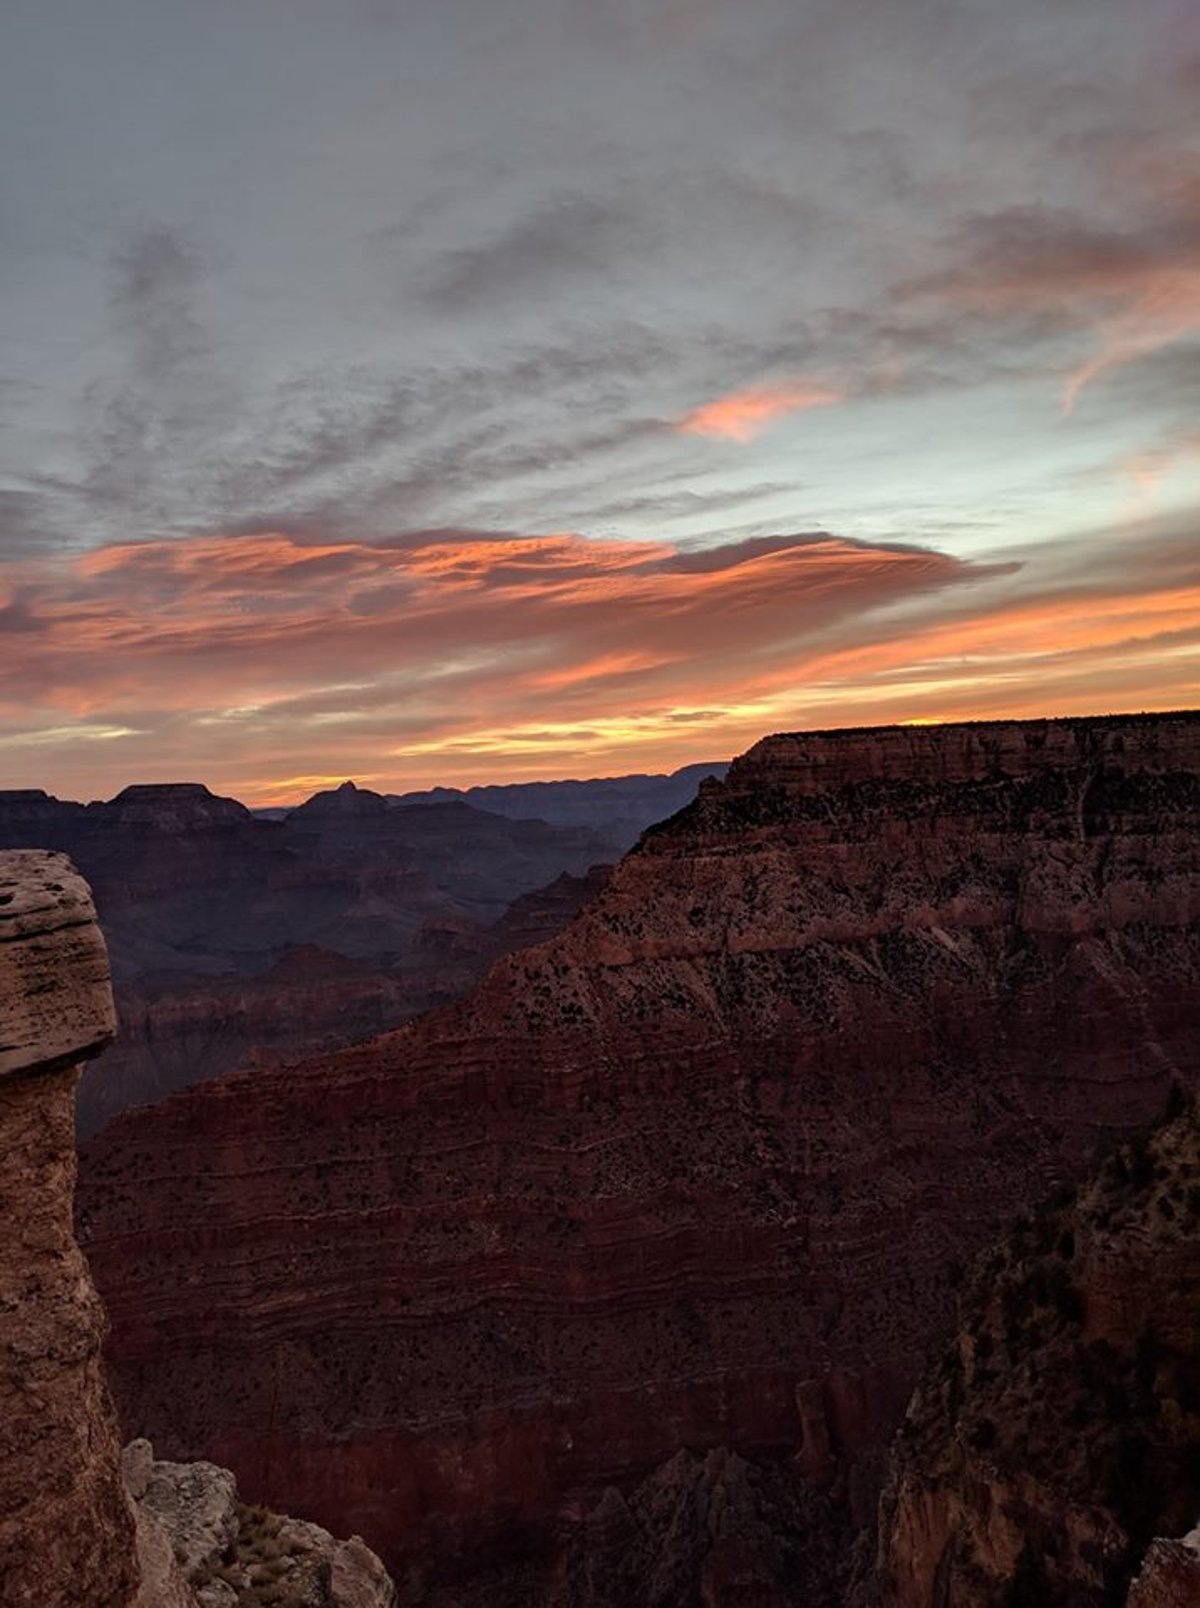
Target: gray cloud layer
(471, 263)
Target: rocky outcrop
(708, 1529)
(1057, 1436)
(693, 1174)
(1170, 1575)
(66, 1529)
(201, 1547)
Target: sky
(450, 391)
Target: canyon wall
(695, 1173)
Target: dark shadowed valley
(233, 936)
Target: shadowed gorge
(235, 937)
(693, 1173)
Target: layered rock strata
(693, 1174)
(1057, 1437)
(66, 1529)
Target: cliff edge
(1057, 1437)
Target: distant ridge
(622, 805)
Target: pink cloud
(742, 415)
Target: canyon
(666, 1213)
(234, 938)
(621, 807)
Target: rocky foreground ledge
(72, 1534)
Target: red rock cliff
(66, 1527)
(693, 1173)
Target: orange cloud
(259, 661)
(743, 414)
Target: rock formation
(201, 1547)
(693, 1174)
(1170, 1575)
(66, 1530)
(70, 1535)
(1058, 1435)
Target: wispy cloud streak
(452, 655)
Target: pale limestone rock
(196, 1504)
(225, 1553)
(329, 1573)
(137, 1461)
(357, 1577)
(162, 1583)
(217, 1594)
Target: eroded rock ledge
(200, 1546)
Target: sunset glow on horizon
(479, 392)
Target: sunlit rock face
(692, 1174)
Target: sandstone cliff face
(1058, 1436)
(66, 1529)
(690, 1175)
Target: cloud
(158, 273)
(1132, 291)
(454, 655)
(567, 238)
(744, 414)
(273, 637)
